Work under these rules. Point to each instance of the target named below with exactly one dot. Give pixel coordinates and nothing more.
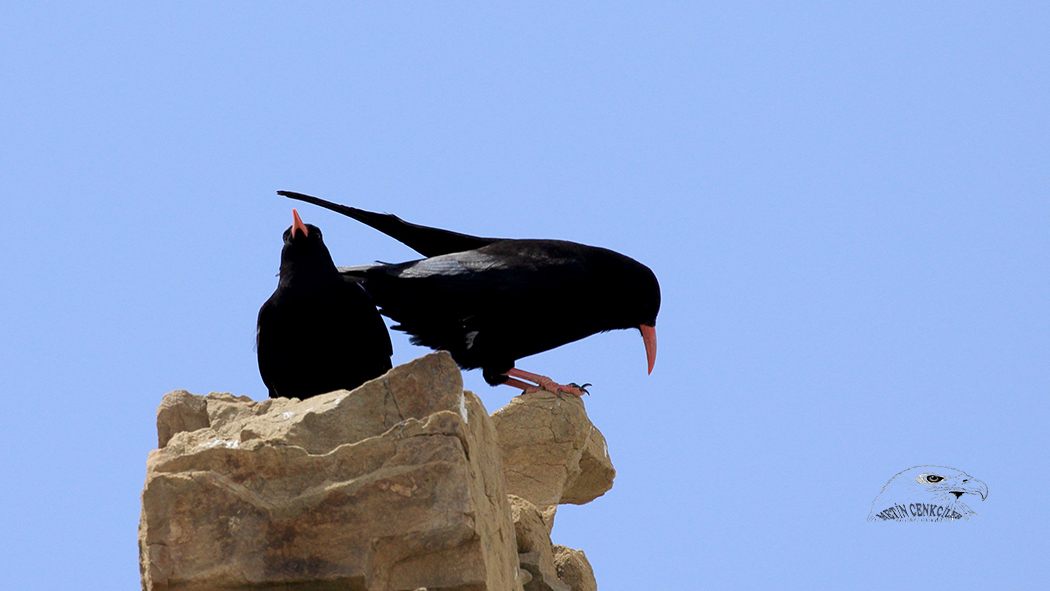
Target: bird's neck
(308, 275)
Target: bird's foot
(544, 384)
(582, 388)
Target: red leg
(544, 382)
(526, 388)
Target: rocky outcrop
(552, 454)
(535, 551)
(574, 569)
(397, 485)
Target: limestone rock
(397, 485)
(535, 551)
(595, 475)
(180, 411)
(574, 569)
(552, 453)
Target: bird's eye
(931, 478)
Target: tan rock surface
(535, 551)
(180, 411)
(395, 486)
(552, 453)
(574, 569)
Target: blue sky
(847, 208)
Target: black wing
(512, 299)
(426, 241)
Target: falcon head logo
(927, 493)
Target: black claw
(582, 388)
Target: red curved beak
(649, 337)
(298, 225)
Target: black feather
(491, 301)
(320, 330)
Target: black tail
(426, 241)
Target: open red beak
(298, 225)
(649, 337)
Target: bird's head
(929, 485)
(648, 306)
(631, 295)
(301, 232)
(941, 481)
(304, 246)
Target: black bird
(319, 331)
(492, 301)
